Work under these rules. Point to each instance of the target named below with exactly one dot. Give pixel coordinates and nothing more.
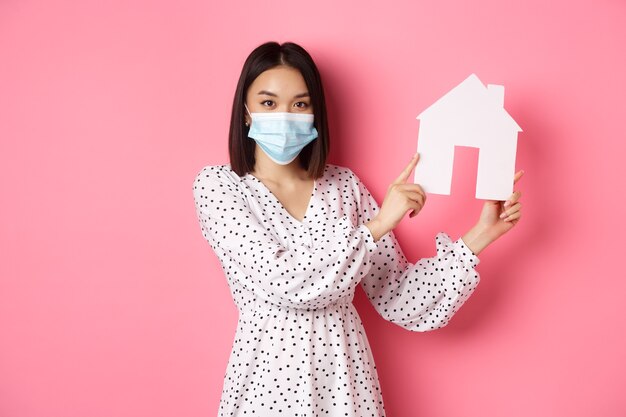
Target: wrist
(477, 239)
(377, 228)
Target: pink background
(112, 303)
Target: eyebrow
(269, 93)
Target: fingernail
(506, 203)
(503, 215)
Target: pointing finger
(405, 173)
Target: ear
(246, 116)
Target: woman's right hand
(401, 197)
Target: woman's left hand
(498, 217)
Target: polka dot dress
(300, 348)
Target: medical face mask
(282, 135)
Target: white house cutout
(468, 115)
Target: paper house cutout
(468, 115)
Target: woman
(295, 236)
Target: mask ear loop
(247, 124)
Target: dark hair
(264, 57)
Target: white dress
(300, 348)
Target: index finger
(518, 175)
(404, 175)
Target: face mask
(282, 135)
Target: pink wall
(112, 303)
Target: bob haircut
(266, 56)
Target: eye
(304, 104)
(266, 101)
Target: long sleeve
(422, 296)
(295, 277)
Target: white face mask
(282, 135)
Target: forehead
(282, 80)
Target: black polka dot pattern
(300, 348)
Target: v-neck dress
(300, 348)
